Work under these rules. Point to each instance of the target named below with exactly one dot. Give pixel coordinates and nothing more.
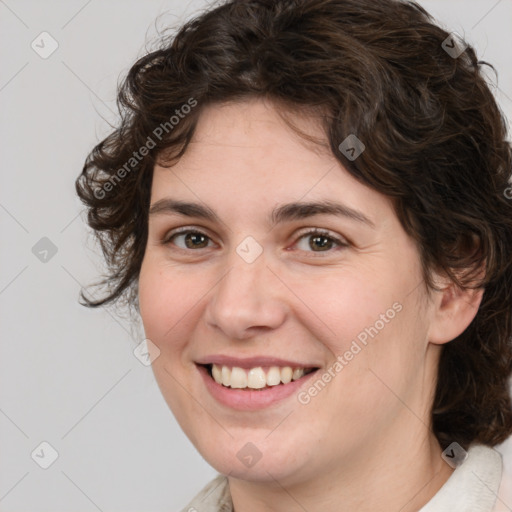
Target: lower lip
(245, 400)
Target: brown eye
(319, 241)
(192, 239)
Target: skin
(364, 442)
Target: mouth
(258, 378)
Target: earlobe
(455, 309)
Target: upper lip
(251, 362)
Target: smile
(255, 378)
(253, 388)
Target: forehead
(245, 155)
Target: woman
(306, 202)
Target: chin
(244, 460)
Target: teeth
(255, 378)
(226, 376)
(274, 376)
(297, 373)
(238, 378)
(286, 374)
(217, 373)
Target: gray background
(68, 375)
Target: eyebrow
(282, 213)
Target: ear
(454, 310)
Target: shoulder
(214, 497)
(474, 484)
(472, 487)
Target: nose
(248, 299)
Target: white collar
(472, 487)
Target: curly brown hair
(436, 144)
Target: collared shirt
(472, 487)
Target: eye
(192, 239)
(319, 239)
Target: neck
(402, 475)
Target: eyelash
(321, 232)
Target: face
(246, 282)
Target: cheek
(167, 299)
(340, 307)
(373, 322)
